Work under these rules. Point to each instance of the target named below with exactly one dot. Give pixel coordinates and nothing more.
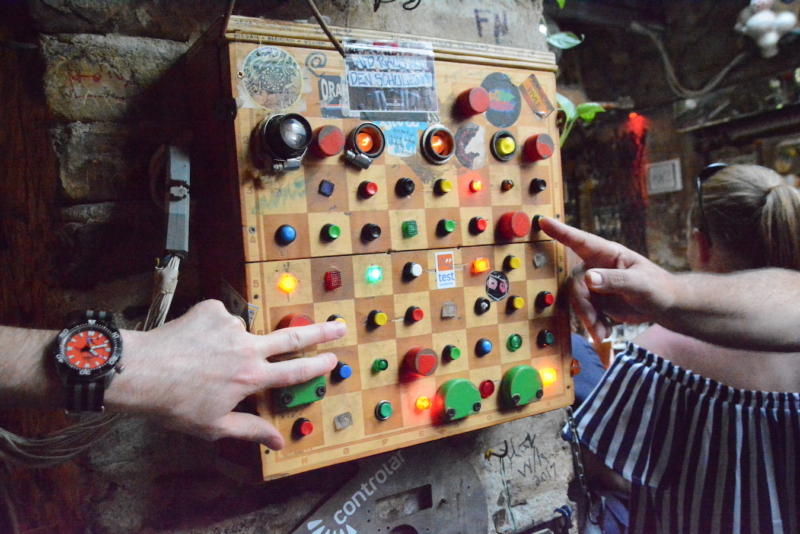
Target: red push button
(328, 141)
(538, 147)
(421, 361)
(295, 319)
(514, 224)
(302, 427)
(473, 101)
(545, 299)
(414, 314)
(367, 189)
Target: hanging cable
(317, 15)
(672, 79)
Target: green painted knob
(383, 410)
(514, 342)
(447, 226)
(521, 385)
(451, 352)
(331, 232)
(380, 365)
(459, 398)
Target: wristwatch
(87, 357)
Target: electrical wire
(317, 15)
(672, 79)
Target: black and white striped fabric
(703, 458)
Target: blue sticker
(402, 138)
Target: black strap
(85, 397)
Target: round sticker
(470, 142)
(497, 286)
(504, 100)
(272, 78)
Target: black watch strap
(85, 397)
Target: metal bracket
(177, 202)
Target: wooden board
(266, 201)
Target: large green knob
(459, 398)
(521, 385)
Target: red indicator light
(486, 388)
(365, 142)
(333, 280)
(475, 186)
(441, 144)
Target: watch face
(89, 349)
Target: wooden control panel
(397, 191)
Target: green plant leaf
(588, 110)
(569, 108)
(564, 40)
(561, 3)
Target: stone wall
(80, 231)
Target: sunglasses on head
(704, 175)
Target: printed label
(536, 98)
(445, 270)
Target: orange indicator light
(365, 142)
(475, 186)
(423, 403)
(287, 283)
(549, 376)
(480, 265)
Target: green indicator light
(514, 342)
(374, 275)
(383, 410)
(410, 228)
(380, 365)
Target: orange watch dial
(88, 349)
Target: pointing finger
(298, 370)
(296, 338)
(587, 246)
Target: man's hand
(191, 372)
(612, 281)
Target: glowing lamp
(287, 283)
(549, 376)
(423, 403)
(475, 186)
(365, 142)
(374, 275)
(480, 265)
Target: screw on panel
(286, 399)
(321, 390)
(450, 413)
(476, 407)
(516, 399)
(540, 394)
(252, 229)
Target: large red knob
(538, 147)
(421, 361)
(473, 101)
(514, 224)
(295, 319)
(328, 141)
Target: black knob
(538, 185)
(370, 232)
(404, 187)
(482, 305)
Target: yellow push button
(444, 186)
(378, 318)
(506, 146)
(517, 303)
(513, 262)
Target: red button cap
(414, 314)
(303, 427)
(328, 141)
(473, 101)
(421, 361)
(538, 147)
(545, 299)
(514, 224)
(478, 224)
(367, 189)
(295, 319)
(333, 280)
(486, 388)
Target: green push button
(451, 352)
(299, 394)
(514, 342)
(447, 226)
(331, 232)
(410, 229)
(383, 410)
(521, 385)
(380, 365)
(545, 338)
(459, 399)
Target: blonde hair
(755, 215)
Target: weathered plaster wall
(80, 231)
